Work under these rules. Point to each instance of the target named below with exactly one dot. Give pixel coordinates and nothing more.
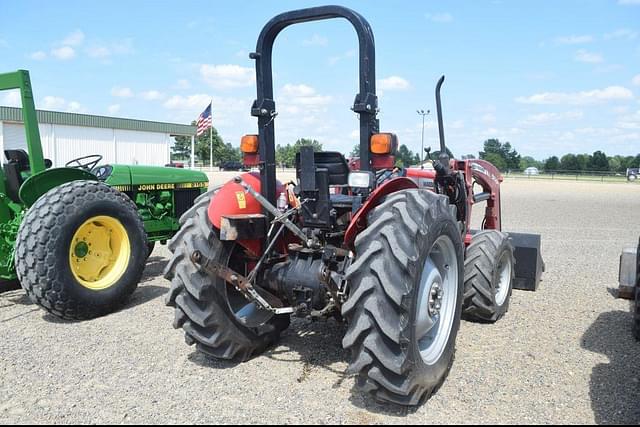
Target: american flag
(204, 121)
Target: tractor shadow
(614, 387)
(310, 347)
(154, 269)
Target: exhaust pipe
(443, 158)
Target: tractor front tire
(81, 250)
(405, 298)
(489, 273)
(202, 306)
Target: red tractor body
(389, 251)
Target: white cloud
(113, 109)
(99, 52)
(636, 80)
(11, 98)
(589, 57)
(442, 18)
(192, 102)
(75, 107)
(74, 39)
(393, 83)
(545, 118)
(53, 103)
(303, 95)
(573, 39)
(596, 96)
(60, 104)
(121, 92)
(38, 56)
(64, 53)
(622, 33)
(227, 76)
(316, 40)
(152, 95)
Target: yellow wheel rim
(99, 253)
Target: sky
(550, 77)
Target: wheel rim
(438, 296)
(505, 268)
(99, 252)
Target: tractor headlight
(361, 179)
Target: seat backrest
(334, 162)
(14, 180)
(19, 157)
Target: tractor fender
(231, 199)
(359, 220)
(39, 184)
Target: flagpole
(211, 136)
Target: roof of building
(12, 114)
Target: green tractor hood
(150, 178)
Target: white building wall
(141, 148)
(62, 143)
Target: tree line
(506, 158)
(503, 155)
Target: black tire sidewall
(434, 373)
(74, 290)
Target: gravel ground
(562, 355)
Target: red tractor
(387, 250)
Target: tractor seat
(334, 162)
(18, 157)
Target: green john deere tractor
(77, 238)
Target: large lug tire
(636, 307)
(489, 273)
(398, 356)
(203, 306)
(636, 314)
(81, 250)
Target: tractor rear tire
(58, 259)
(636, 314)
(488, 277)
(202, 308)
(389, 283)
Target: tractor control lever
(279, 217)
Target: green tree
(496, 160)
(355, 152)
(599, 162)
(583, 161)
(510, 157)
(529, 162)
(181, 150)
(406, 158)
(286, 155)
(552, 164)
(569, 162)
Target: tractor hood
(150, 178)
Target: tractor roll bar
(264, 107)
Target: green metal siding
(11, 114)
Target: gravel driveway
(562, 355)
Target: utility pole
(423, 114)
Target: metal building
(67, 136)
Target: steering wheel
(87, 162)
